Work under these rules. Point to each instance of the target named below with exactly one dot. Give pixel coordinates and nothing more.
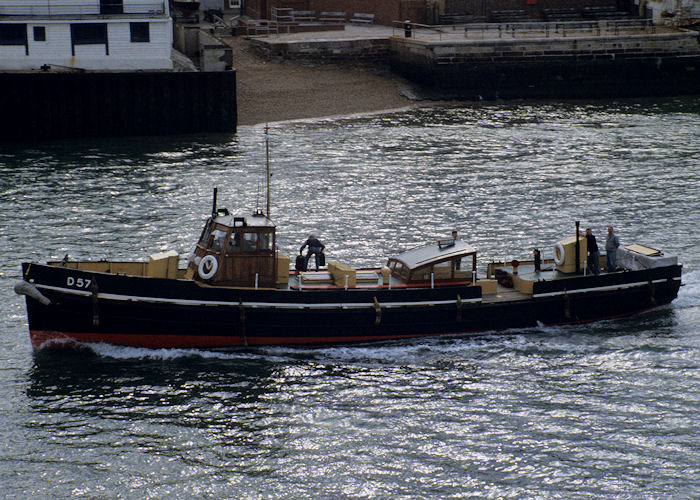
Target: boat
(237, 290)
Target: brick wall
(385, 11)
(483, 7)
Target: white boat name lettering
(78, 283)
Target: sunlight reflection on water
(599, 410)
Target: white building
(118, 35)
(670, 11)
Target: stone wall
(549, 49)
(634, 65)
(326, 51)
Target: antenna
(267, 166)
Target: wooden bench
(360, 18)
(563, 14)
(341, 272)
(282, 15)
(461, 19)
(510, 16)
(260, 26)
(303, 16)
(487, 286)
(316, 278)
(332, 17)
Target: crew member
(593, 252)
(315, 248)
(611, 244)
(458, 262)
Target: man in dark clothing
(315, 248)
(593, 252)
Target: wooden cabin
(236, 251)
(444, 260)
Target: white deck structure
(94, 35)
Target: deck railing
(81, 9)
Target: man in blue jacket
(315, 248)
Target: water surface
(605, 409)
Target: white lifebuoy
(559, 254)
(208, 260)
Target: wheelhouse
(236, 251)
(443, 260)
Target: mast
(267, 166)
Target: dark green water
(601, 410)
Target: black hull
(162, 313)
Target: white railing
(57, 8)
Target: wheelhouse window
(218, 238)
(204, 240)
(266, 242)
(39, 33)
(140, 32)
(250, 242)
(234, 244)
(400, 269)
(13, 34)
(443, 270)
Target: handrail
(545, 29)
(81, 9)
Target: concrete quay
(604, 59)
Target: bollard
(407, 28)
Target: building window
(39, 33)
(89, 34)
(111, 6)
(140, 33)
(13, 34)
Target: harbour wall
(580, 66)
(595, 66)
(357, 50)
(38, 106)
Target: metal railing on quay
(409, 29)
(81, 10)
(515, 30)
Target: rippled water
(608, 409)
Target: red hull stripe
(42, 338)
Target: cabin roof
(253, 220)
(427, 254)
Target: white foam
(689, 294)
(125, 352)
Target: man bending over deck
(315, 248)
